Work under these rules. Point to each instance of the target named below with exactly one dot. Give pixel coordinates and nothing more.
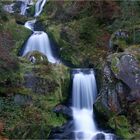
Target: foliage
(34, 121)
(121, 125)
(82, 30)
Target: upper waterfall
(39, 41)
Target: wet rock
(23, 99)
(39, 26)
(100, 136)
(80, 135)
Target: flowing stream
(84, 95)
(39, 40)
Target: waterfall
(38, 9)
(39, 41)
(83, 96)
(39, 6)
(84, 90)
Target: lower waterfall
(83, 97)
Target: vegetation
(82, 31)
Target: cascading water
(23, 8)
(84, 95)
(38, 9)
(39, 6)
(39, 41)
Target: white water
(30, 24)
(39, 7)
(84, 95)
(39, 41)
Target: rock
(39, 26)
(128, 71)
(120, 91)
(64, 110)
(23, 99)
(121, 84)
(99, 136)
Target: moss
(114, 63)
(121, 126)
(134, 50)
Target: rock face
(126, 68)
(120, 93)
(128, 72)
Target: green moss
(114, 63)
(121, 126)
(122, 44)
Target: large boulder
(120, 92)
(126, 68)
